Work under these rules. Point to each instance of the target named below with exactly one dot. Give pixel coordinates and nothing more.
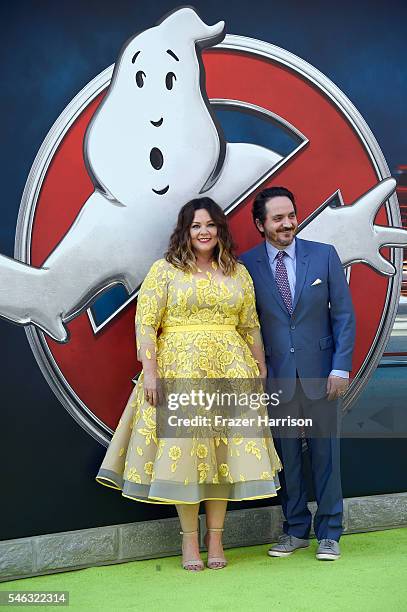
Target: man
(308, 329)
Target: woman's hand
(263, 376)
(150, 388)
(262, 370)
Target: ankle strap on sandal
(188, 532)
(218, 529)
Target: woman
(201, 300)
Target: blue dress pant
(324, 449)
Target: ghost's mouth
(157, 123)
(161, 191)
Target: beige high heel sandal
(215, 562)
(192, 565)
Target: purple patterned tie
(282, 281)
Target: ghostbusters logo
(152, 141)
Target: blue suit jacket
(320, 334)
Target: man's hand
(336, 387)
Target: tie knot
(280, 255)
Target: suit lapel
(302, 262)
(267, 276)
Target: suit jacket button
(292, 350)
(292, 326)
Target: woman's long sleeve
(248, 325)
(151, 303)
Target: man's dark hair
(259, 204)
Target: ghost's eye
(169, 80)
(140, 76)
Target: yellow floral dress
(199, 328)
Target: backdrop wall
(50, 51)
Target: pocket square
(317, 281)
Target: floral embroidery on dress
(133, 475)
(148, 467)
(202, 451)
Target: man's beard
(284, 242)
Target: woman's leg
(215, 518)
(188, 516)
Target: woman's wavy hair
(180, 253)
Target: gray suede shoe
(287, 545)
(328, 550)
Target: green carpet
(371, 576)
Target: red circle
(99, 367)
